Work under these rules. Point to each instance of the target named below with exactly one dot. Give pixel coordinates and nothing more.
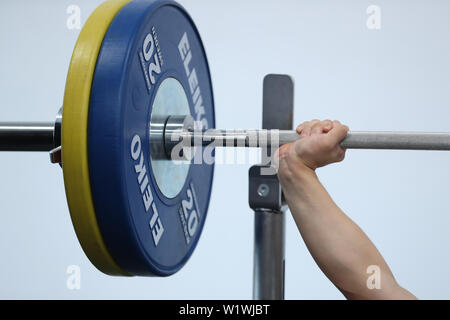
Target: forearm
(339, 247)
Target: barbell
(138, 86)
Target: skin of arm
(340, 248)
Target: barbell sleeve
(23, 136)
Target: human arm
(339, 247)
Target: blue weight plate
(150, 212)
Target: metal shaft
(269, 264)
(33, 136)
(39, 136)
(354, 139)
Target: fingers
(323, 145)
(321, 127)
(338, 132)
(305, 128)
(314, 127)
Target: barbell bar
(35, 136)
(354, 139)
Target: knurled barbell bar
(138, 85)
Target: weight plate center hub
(169, 112)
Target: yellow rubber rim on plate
(74, 136)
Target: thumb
(279, 158)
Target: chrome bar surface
(354, 139)
(31, 136)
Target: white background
(395, 78)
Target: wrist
(305, 174)
(295, 172)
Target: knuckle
(314, 122)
